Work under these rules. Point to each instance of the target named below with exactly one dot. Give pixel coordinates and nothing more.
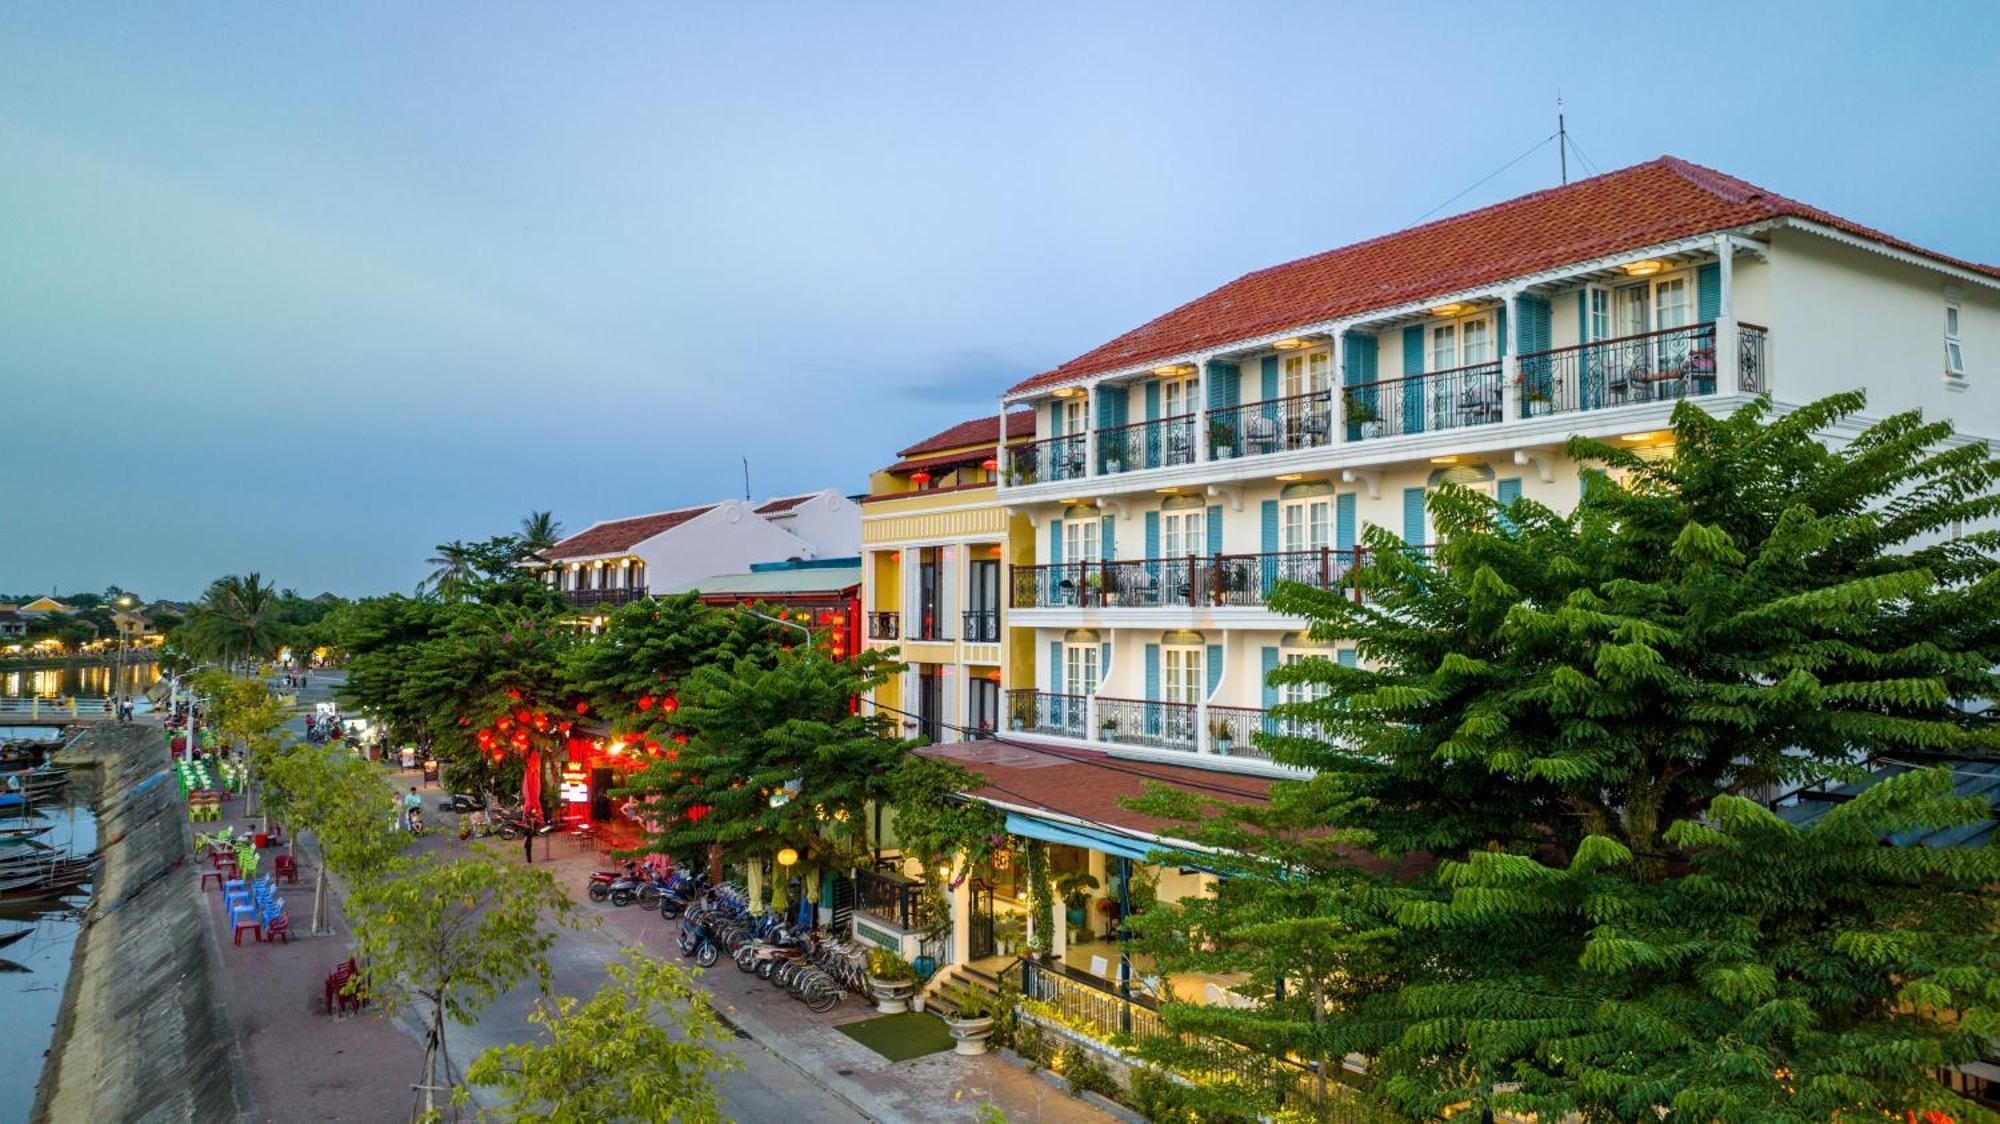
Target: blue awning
(1077, 835)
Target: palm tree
(540, 530)
(453, 574)
(236, 619)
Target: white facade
(825, 520)
(1140, 649)
(724, 538)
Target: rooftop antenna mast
(746, 479)
(1562, 137)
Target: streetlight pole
(779, 620)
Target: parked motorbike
(683, 887)
(601, 881)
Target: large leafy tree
(1570, 713)
(645, 1047)
(777, 755)
(448, 938)
(235, 621)
(383, 637)
(540, 530)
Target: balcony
(1196, 580)
(1303, 421)
(1147, 444)
(1150, 723)
(982, 626)
(927, 624)
(1438, 400)
(1660, 366)
(892, 898)
(884, 626)
(1050, 459)
(594, 598)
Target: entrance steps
(936, 992)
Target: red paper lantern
(920, 477)
(645, 702)
(583, 708)
(513, 692)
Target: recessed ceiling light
(1644, 268)
(1444, 460)
(1290, 476)
(1292, 343)
(1452, 308)
(1640, 436)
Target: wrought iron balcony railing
(890, 897)
(585, 598)
(1043, 712)
(884, 626)
(1148, 722)
(1648, 367)
(1191, 580)
(1146, 444)
(982, 626)
(1051, 458)
(1303, 421)
(1453, 399)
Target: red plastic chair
(208, 874)
(287, 868)
(279, 928)
(246, 920)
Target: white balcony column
(1202, 742)
(1000, 455)
(961, 910)
(1059, 940)
(1090, 716)
(1337, 412)
(1728, 350)
(1510, 371)
(1200, 443)
(1090, 431)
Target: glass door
(1182, 682)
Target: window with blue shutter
(1535, 336)
(1413, 386)
(1214, 668)
(1346, 657)
(1051, 591)
(1153, 401)
(1269, 377)
(1222, 385)
(1268, 526)
(1708, 292)
(1359, 349)
(1344, 534)
(1270, 665)
(1110, 538)
(1413, 516)
(1215, 530)
(1055, 667)
(1507, 490)
(1153, 672)
(1103, 664)
(1152, 534)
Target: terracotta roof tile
(1088, 785)
(784, 504)
(623, 534)
(1644, 205)
(1020, 423)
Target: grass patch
(900, 1037)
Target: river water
(93, 681)
(34, 968)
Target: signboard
(575, 785)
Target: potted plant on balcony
(1221, 736)
(1018, 722)
(1359, 409)
(971, 1022)
(1107, 730)
(1074, 887)
(1221, 438)
(1020, 471)
(1111, 451)
(890, 981)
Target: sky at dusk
(306, 289)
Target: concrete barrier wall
(143, 1034)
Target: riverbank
(48, 663)
(143, 1033)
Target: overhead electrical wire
(1532, 149)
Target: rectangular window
(982, 703)
(1178, 396)
(1305, 524)
(1080, 670)
(1475, 342)
(1954, 351)
(1444, 347)
(1181, 534)
(1081, 540)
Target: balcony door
(929, 590)
(1300, 693)
(1306, 524)
(982, 703)
(984, 602)
(1181, 681)
(1079, 682)
(1182, 533)
(1178, 396)
(930, 702)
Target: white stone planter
(971, 1035)
(892, 997)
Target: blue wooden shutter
(1360, 368)
(1586, 377)
(1055, 541)
(1055, 667)
(1214, 669)
(1533, 335)
(1222, 385)
(1110, 539)
(1413, 387)
(1152, 671)
(1152, 534)
(1055, 418)
(1346, 656)
(1500, 331)
(1111, 406)
(1103, 663)
(1588, 478)
(1507, 490)
(1269, 524)
(1153, 401)
(1270, 379)
(1214, 522)
(1343, 521)
(1413, 516)
(1708, 291)
(1270, 689)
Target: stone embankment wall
(143, 1034)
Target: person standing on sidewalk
(411, 803)
(528, 839)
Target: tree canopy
(1568, 719)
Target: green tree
(454, 573)
(540, 530)
(383, 637)
(776, 757)
(453, 936)
(234, 623)
(344, 802)
(645, 1047)
(1567, 713)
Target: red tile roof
(779, 506)
(623, 534)
(1020, 424)
(1644, 205)
(1088, 785)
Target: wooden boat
(10, 938)
(25, 832)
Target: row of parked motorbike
(654, 884)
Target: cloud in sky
(310, 290)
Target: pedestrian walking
(411, 803)
(528, 839)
